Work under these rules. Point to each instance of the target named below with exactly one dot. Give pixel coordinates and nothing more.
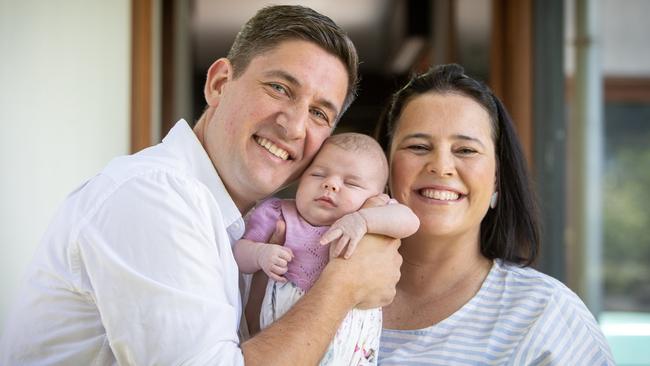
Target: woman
(467, 295)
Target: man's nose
(294, 122)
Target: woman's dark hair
(511, 230)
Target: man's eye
(279, 88)
(320, 115)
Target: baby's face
(336, 183)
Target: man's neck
(244, 204)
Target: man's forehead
(298, 61)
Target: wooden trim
(627, 89)
(141, 60)
(511, 64)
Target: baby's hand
(379, 200)
(347, 231)
(273, 259)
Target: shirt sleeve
(159, 266)
(566, 333)
(261, 222)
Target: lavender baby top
(301, 237)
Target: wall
(64, 112)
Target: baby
(348, 171)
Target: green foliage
(626, 215)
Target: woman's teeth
(439, 195)
(272, 148)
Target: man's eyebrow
(283, 75)
(292, 80)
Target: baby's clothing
(357, 339)
(301, 237)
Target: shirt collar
(182, 138)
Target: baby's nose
(330, 186)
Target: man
(137, 268)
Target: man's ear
(219, 73)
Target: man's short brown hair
(274, 24)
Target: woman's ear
(219, 73)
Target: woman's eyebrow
(468, 138)
(418, 135)
(426, 136)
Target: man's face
(268, 123)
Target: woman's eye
(418, 148)
(466, 151)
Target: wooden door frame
(141, 74)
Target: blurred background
(84, 81)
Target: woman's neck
(436, 265)
(439, 276)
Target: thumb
(278, 234)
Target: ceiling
(370, 24)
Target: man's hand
(371, 274)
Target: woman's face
(443, 163)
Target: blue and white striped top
(518, 317)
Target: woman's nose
(441, 164)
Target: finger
(351, 246)
(286, 254)
(277, 278)
(340, 245)
(330, 236)
(280, 262)
(279, 270)
(383, 197)
(278, 234)
(376, 201)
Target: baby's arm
(395, 220)
(392, 219)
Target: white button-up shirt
(136, 268)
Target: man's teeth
(272, 148)
(440, 195)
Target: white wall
(64, 112)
